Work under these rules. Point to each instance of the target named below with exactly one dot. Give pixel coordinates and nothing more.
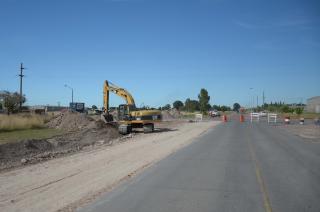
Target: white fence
(198, 117)
(254, 116)
(272, 118)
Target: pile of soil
(169, 115)
(81, 131)
(175, 113)
(71, 121)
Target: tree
(204, 100)
(191, 105)
(177, 104)
(225, 108)
(236, 107)
(12, 101)
(299, 110)
(216, 107)
(285, 109)
(94, 107)
(166, 107)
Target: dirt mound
(166, 116)
(169, 115)
(23, 148)
(71, 121)
(175, 113)
(12, 154)
(81, 131)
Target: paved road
(234, 167)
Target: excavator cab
(124, 112)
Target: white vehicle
(214, 113)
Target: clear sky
(161, 50)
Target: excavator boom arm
(118, 91)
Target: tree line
(281, 107)
(191, 105)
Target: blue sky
(161, 50)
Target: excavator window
(124, 112)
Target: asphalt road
(234, 167)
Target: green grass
(18, 135)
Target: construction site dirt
(65, 183)
(80, 132)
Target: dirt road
(68, 182)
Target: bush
(299, 110)
(285, 109)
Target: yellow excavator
(129, 116)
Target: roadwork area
(80, 131)
(66, 183)
(236, 167)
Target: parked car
(214, 113)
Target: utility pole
(21, 76)
(67, 86)
(263, 98)
(257, 101)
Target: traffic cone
(241, 118)
(224, 118)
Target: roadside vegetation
(293, 111)
(11, 101)
(22, 122)
(15, 126)
(190, 106)
(18, 127)
(18, 135)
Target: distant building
(313, 105)
(47, 108)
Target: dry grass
(304, 115)
(21, 122)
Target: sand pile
(71, 121)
